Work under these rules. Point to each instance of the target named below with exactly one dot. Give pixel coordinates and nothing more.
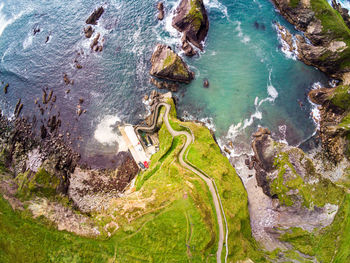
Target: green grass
(341, 97)
(294, 3)
(205, 154)
(41, 184)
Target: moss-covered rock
(166, 64)
(191, 19)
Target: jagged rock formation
(95, 16)
(335, 121)
(191, 19)
(298, 199)
(328, 47)
(166, 64)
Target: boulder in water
(95, 16)
(160, 8)
(166, 64)
(88, 31)
(191, 19)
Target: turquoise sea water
(252, 82)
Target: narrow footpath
(206, 179)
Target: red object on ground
(146, 164)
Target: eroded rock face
(333, 111)
(292, 194)
(191, 19)
(326, 48)
(166, 64)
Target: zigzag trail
(220, 214)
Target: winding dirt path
(205, 178)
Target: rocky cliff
(306, 207)
(166, 64)
(325, 43)
(335, 121)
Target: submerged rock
(95, 16)
(166, 64)
(6, 88)
(192, 20)
(206, 83)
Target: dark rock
(95, 16)
(320, 96)
(5, 88)
(95, 41)
(66, 79)
(88, 31)
(256, 24)
(17, 107)
(263, 148)
(191, 19)
(164, 85)
(36, 30)
(187, 47)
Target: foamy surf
(4, 22)
(286, 49)
(106, 134)
(236, 129)
(214, 4)
(244, 38)
(315, 112)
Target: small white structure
(134, 144)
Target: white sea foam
(106, 134)
(244, 38)
(283, 131)
(214, 4)
(315, 112)
(4, 21)
(285, 46)
(238, 128)
(28, 41)
(208, 121)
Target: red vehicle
(145, 164)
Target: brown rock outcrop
(160, 8)
(166, 64)
(95, 16)
(191, 19)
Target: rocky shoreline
(291, 191)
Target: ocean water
(253, 82)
